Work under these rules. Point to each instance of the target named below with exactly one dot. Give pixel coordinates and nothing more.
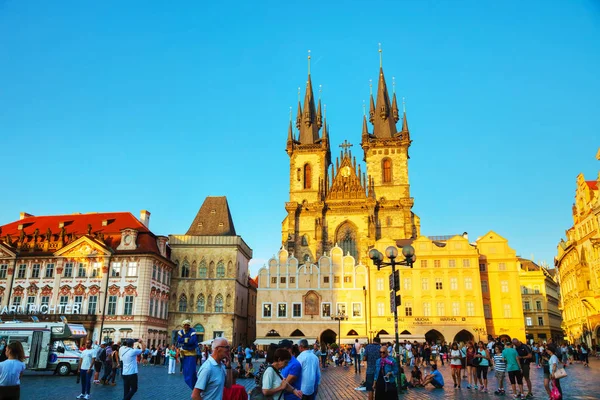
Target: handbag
(475, 361)
(555, 393)
(560, 373)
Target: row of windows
(282, 310)
(203, 270)
(160, 274)
(158, 308)
(62, 301)
(79, 270)
(202, 305)
(529, 321)
(527, 305)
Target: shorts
(482, 371)
(546, 372)
(249, 361)
(453, 366)
(97, 366)
(515, 375)
(463, 363)
(500, 375)
(525, 370)
(369, 381)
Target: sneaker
(498, 392)
(468, 386)
(475, 387)
(454, 388)
(529, 395)
(517, 396)
(81, 396)
(86, 397)
(482, 388)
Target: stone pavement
(337, 384)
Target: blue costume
(187, 343)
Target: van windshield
(70, 345)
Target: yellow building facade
(322, 284)
(540, 294)
(578, 264)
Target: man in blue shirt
(436, 378)
(292, 372)
(311, 373)
(128, 355)
(372, 356)
(215, 373)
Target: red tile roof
(79, 225)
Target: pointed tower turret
(299, 113)
(309, 129)
(371, 104)
(384, 126)
(290, 139)
(404, 120)
(395, 109)
(319, 114)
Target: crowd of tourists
(471, 364)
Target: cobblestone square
(338, 383)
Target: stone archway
(463, 336)
(328, 337)
(434, 336)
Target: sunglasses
(382, 352)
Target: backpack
(353, 351)
(102, 355)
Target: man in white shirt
(128, 356)
(311, 373)
(356, 356)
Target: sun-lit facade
(338, 210)
(578, 264)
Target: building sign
(42, 309)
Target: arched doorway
(328, 337)
(352, 332)
(463, 336)
(405, 332)
(297, 333)
(434, 336)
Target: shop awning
(351, 340)
(268, 340)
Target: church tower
(310, 158)
(386, 156)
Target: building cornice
(215, 241)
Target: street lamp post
(339, 317)
(409, 258)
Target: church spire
(382, 116)
(309, 129)
(319, 115)
(395, 112)
(404, 120)
(371, 104)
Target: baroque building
(578, 264)
(322, 284)
(210, 284)
(540, 294)
(107, 271)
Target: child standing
(500, 368)
(11, 371)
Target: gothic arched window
(201, 305)
(185, 270)
(346, 239)
(307, 176)
(220, 270)
(183, 303)
(202, 270)
(219, 303)
(386, 166)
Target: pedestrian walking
(455, 364)
(215, 373)
(104, 356)
(356, 356)
(311, 373)
(500, 369)
(553, 367)
(386, 372)
(128, 356)
(171, 355)
(11, 371)
(98, 362)
(115, 365)
(372, 356)
(525, 358)
(85, 370)
(513, 367)
(292, 371)
(482, 367)
(187, 341)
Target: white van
(49, 346)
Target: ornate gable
(348, 182)
(6, 252)
(85, 246)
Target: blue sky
(123, 106)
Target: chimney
(24, 215)
(145, 218)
